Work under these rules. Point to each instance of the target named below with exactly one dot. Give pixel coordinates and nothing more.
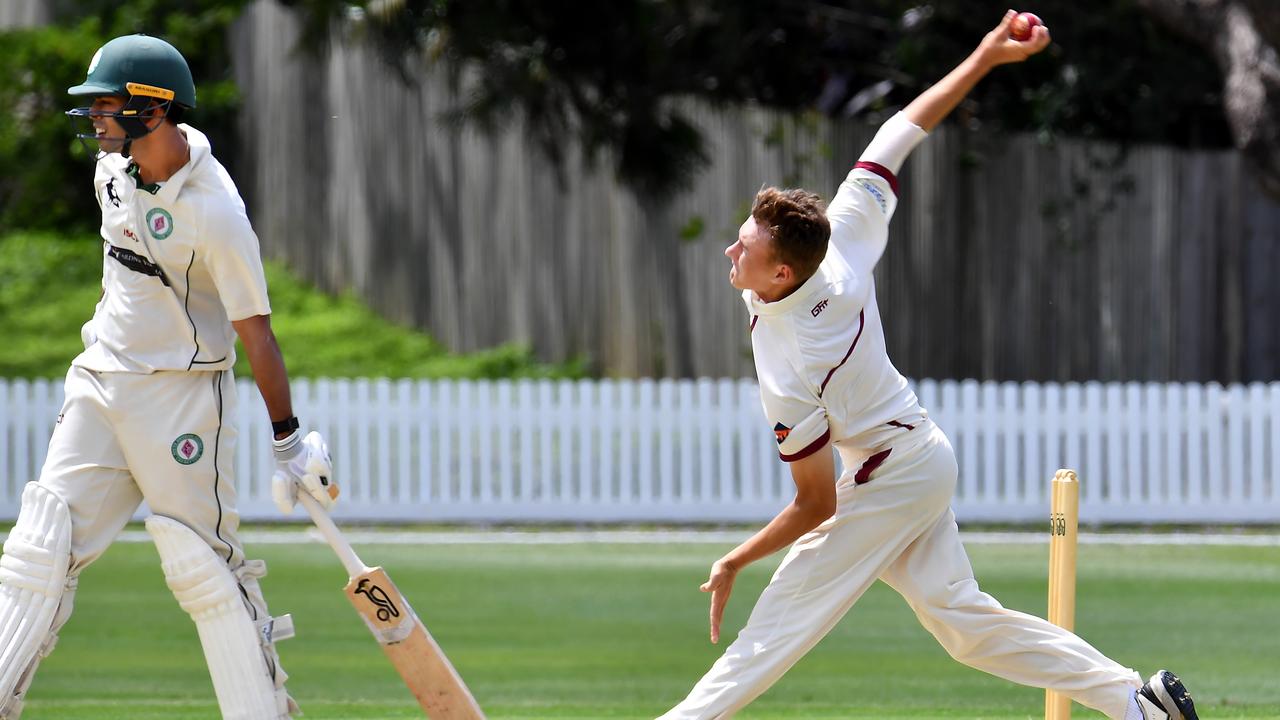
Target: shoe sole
(1181, 698)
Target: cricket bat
(430, 676)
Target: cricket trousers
(898, 527)
(166, 437)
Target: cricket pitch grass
(620, 631)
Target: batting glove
(302, 462)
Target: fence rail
(699, 450)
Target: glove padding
(302, 462)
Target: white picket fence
(686, 450)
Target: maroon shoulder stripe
(810, 449)
(754, 318)
(880, 170)
(862, 322)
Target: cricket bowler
(805, 273)
(149, 404)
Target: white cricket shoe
(1165, 698)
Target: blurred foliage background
(49, 284)
(605, 74)
(44, 174)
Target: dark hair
(175, 113)
(796, 221)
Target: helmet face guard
(131, 117)
(148, 73)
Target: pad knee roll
(33, 576)
(233, 644)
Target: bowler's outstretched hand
(720, 585)
(999, 48)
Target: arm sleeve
(100, 180)
(893, 142)
(864, 205)
(800, 427)
(235, 262)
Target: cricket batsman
(149, 404)
(805, 273)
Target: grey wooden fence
(1009, 259)
(23, 13)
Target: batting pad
(209, 593)
(33, 574)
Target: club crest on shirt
(160, 223)
(781, 432)
(187, 448)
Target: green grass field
(619, 631)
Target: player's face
(108, 132)
(755, 265)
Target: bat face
(414, 653)
(422, 665)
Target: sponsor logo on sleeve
(781, 432)
(187, 448)
(160, 223)
(875, 193)
(817, 309)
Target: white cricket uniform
(149, 403)
(824, 376)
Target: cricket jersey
(180, 262)
(820, 354)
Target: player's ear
(154, 111)
(783, 274)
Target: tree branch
(1242, 36)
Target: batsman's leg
(195, 529)
(239, 650)
(84, 497)
(35, 591)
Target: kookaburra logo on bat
(379, 597)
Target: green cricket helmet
(143, 70)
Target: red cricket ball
(1020, 27)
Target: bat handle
(333, 535)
